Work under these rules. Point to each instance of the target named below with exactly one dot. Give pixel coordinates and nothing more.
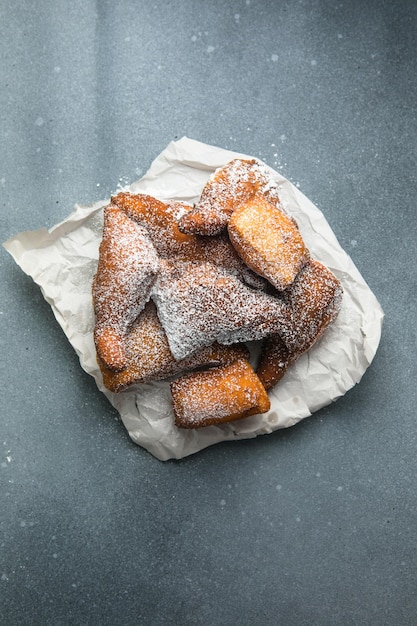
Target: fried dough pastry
(161, 222)
(227, 188)
(199, 303)
(149, 357)
(127, 266)
(218, 395)
(314, 298)
(179, 288)
(268, 241)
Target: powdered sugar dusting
(199, 303)
(315, 298)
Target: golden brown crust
(231, 185)
(221, 394)
(268, 241)
(161, 222)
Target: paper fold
(63, 260)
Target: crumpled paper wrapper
(63, 260)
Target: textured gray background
(314, 525)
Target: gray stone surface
(312, 526)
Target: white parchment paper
(63, 260)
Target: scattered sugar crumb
(222, 502)
(123, 182)
(39, 121)
(8, 460)
(210, 49)
(313, 62)
(274, 58)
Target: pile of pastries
(180, 290)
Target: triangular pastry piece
(199, 303)
(127, 266)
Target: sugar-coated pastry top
(199, 303)
(218, 395)
(315, 298)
